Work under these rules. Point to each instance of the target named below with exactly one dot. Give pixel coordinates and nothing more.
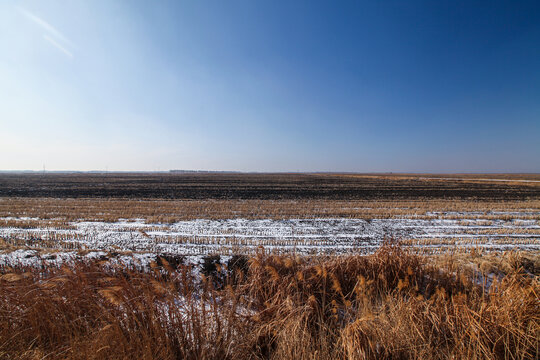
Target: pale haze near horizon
(301, 86)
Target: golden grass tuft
(389, 305)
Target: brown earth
(268, 186)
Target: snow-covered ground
(236, 236)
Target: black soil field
(256, 186)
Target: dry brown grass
(530, 180)
(389, 305)
(44, 220)
(58, 212)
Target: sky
(356, 86)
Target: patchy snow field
(194, 238)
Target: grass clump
(389, 305)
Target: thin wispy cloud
(58, 46)
(52, 35)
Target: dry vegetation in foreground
(389, 305)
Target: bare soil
(265, 186)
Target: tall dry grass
(389, 305)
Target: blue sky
(403, 86)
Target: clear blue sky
(420, 86)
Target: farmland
(269, 266)
(193, 214)
(269, 186)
